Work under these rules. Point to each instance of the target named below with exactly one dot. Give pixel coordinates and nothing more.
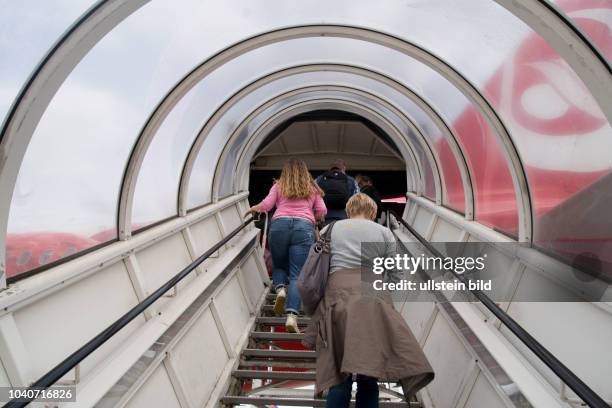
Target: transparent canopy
(229, 185)
(69, 182)
(594, 18)
(28, 28)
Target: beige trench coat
(359, 333)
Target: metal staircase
(274, 369)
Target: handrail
(565, 374)
(75, 358)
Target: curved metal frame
(172, 98)
(571, 43)
(301, 107)
(510, 152)
(561, 33)
(306, 105)
(356, 70)
(434, 116)
(38, 91)
(126, 198)
(405, 146)
(508, 148)
(303, 92)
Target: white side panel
(483, 395)
(418, 316)
(412, 213)
(451, 362)
(233, 310)
(4, 380)
(161, 261)
(577, 333)
(499, 268)
(535, 285)
(445, 232)
(156, 392)
(231, 218)
(69, 318)
(422, 221)
(251, 276)
(407, 208)
(205, 234)
(472, 238)
(199, 359)
(243, 206)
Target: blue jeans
(290, 241)
(339, 396)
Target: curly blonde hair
(295, 180)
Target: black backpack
(335, 185)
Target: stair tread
(305, 402)
(270, 308)
(279, 353)
(265, 363)
(272, 375)
(280, 320)
(277, 336)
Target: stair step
(269, 309)
(279, 353)
(275, 375)
(278, 364)
(277, 336)
(279, 391)
(280, 321)
(301, 402)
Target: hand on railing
(252, 211)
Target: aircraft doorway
(320, 137)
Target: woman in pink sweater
(299, 204)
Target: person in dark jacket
(366, 186)
(338, 188)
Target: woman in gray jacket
(357, 332)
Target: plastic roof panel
(28, 28)
(73, 168)
(105, 105)
(403, 68)
(282, 111)
(228, 185)
(237, 115)
(155, 195)
(360, 83)
(303, 51)
(594, 17)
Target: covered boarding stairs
(136, 134)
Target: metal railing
(56, 373)
(565, 374)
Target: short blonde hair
(361, 204)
